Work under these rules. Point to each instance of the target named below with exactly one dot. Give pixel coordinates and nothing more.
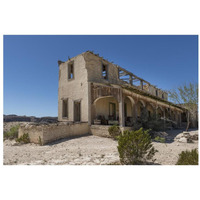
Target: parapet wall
(46, 133)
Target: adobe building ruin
(98, 92)
(94, 93)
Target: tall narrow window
(163, 96)
(156, 92)
(104, 71)
(71, 71)
(65, 108)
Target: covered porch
(111, 104)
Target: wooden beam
(122, 74)
(129, 73)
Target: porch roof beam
(131, 74)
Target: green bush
(12, 134)
(135, 147)
(114, 131)
(188, 158)
(159, 139)
(23, 139)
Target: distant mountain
(16, 118)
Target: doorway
(77, 111)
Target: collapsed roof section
(128, 78)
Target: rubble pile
(186, 137)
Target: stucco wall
(94, 67)
(75, 89)
(52, 132)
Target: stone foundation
(102, 130)
(46, 133)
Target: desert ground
(88, 150)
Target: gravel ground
(168, 152)
(88, 150)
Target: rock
(194, 137)
(189, 140)
(183, 140)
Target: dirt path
(88, 150)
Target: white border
(98, 17)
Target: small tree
(187, 97)
(135, 147)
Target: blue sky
(31, 69)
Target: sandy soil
(88, 150)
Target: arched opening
(106, 109)
(150, 111)
(160, 112)
(128, 111)
(140, 109)
(167, 113)
(173, 117)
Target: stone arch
(140, 108)
(131, 99)
(173, 115)
(104, 108)
(160, 112)
(167, 113)
(102, 97)
(129, 110)
(142, 102)
(128, 107)
(150, 111)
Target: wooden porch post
(121, 110)
(164, 118)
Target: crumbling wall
(35, 132)
(94, 67)
(48, 133)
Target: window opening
(70, 71)
(104, 72)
